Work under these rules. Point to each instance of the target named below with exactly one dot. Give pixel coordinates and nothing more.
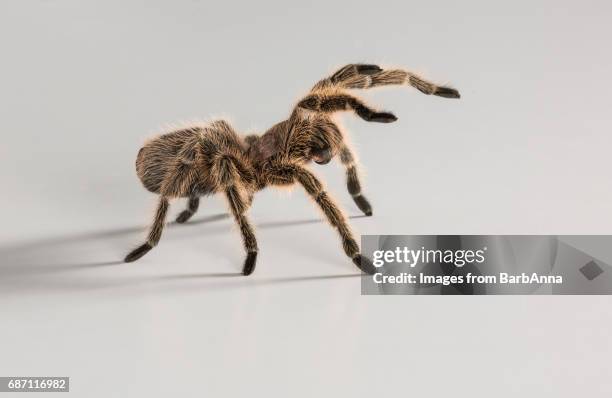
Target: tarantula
(212, 158)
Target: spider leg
(192, 208)
(352, 181)
(231, 176)
(335, 217)
(155, 232)
(339, 101)
(238, 206)
(364, 76)
(349, 76)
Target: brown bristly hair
(212, 158)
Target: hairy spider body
(194, 161)
(208, 159)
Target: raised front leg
(192, 208)
(339, 101)
(352, 181)
(335, 217)
(363, 76)
(155, 232)
(238, 206)
(349, 76)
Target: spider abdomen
(182, 163)
(156, 158)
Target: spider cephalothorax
(212, 158)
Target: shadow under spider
(261, 281)
(237, 280)
(41, 256)
(128, 230)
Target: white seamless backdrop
(524, 151)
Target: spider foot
(382, 117)
(364, 264)
(138, 252)
(249, 263)
(184, 216)
(447, 92)
(363, 204)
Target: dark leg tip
(364, 264)
(383, 117)
(447, 92)
(368, 69)
(184, 216)
(138, 252)
(249, 263)
(363, 204)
